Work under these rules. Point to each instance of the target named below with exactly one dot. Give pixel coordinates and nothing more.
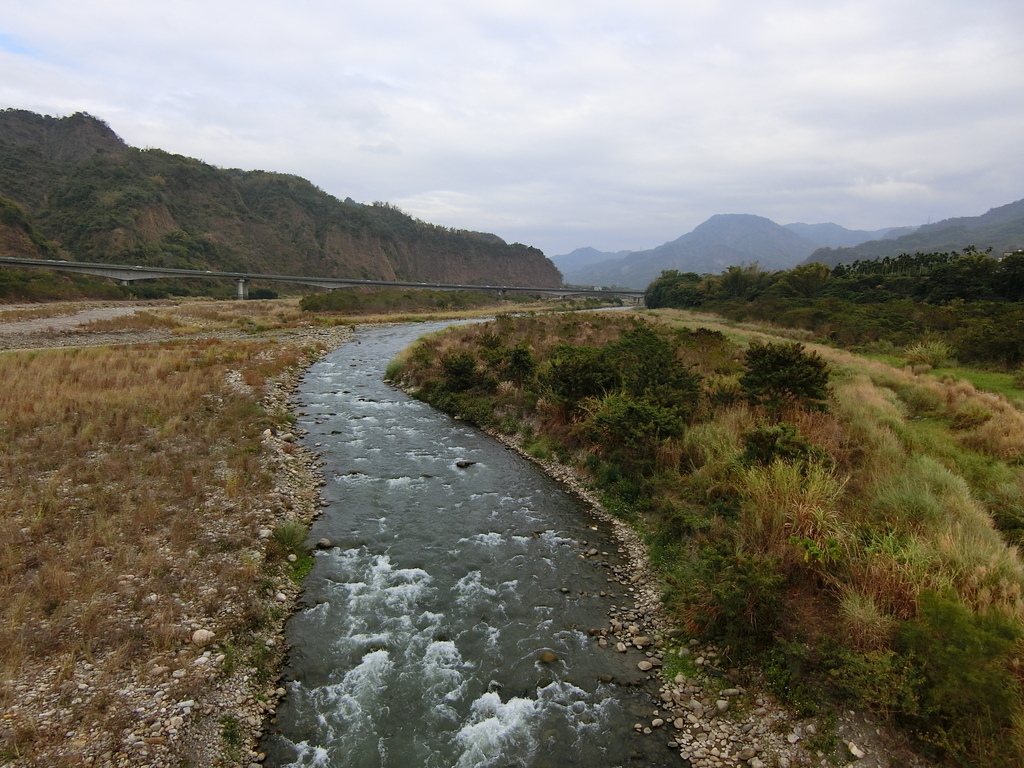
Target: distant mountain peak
(719, 242)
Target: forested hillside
(71, 188)
(1001, 229)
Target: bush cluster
(817, 524)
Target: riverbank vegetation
(364, 302)
(928, 309)
(846, 524)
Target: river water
(456, 565)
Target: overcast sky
(559, 123)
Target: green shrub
(882, 681)
(626, 429)
(736, 597)
(459, 371)
(787, 668)
(782, 374)
(290, 536)
(968, 698)
(575, 373)
(520, 364)
(780, 442)
(231, 731)
(394, 369)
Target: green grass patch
(301, 568)
(1005, 384)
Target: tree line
(969, 300)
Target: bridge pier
(243, 288)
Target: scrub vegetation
(927, 308)
(418, 300)
(848, 525)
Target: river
(456, 566)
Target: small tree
(782, 374)
(627, 430)
(575, 373)
(804, 280)
(519, 363)
(459, 371)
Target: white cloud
(559, 124)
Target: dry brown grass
(276, 313)
(784, 501)
(19, 314)
(131, 482)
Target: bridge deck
(128, 273)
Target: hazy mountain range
(725, 240)
(70, 188)
(1001, 229)
(721, 241)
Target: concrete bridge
(128, 273)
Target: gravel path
(68, 330)
(61, 322)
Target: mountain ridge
(726, 240)
(1000, 228)
(71, 186)
(582, 257)
(836, 236)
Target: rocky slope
(72, 186)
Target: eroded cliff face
(91, 197)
